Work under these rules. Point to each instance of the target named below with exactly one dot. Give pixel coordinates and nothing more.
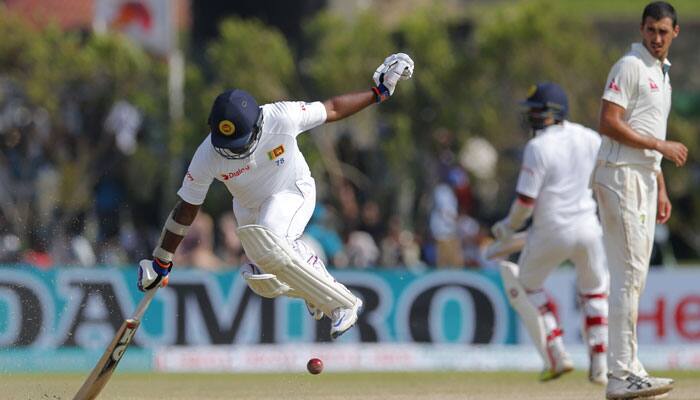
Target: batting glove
(502, 230)
(152, 273)
(396, 67)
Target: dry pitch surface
(327, 386)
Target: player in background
(553, 188)
(630, 188)
(253, 151)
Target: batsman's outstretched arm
(153, 273)
(345, 105)
(395, 68)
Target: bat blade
(100, 375)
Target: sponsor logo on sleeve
(613, 86)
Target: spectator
(399, 247)
(197, 248)
(443, 226)
(362, 250)
(329, 239)
(230, 249)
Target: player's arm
(175, 229)
(396, 67)
(613, 125)
(663, 207)
(153, 273)
(345, 105)
(530, 181)
(520, 212)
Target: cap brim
(232, 143)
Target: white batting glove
(502, 230)
(396, 67)
(153, 273)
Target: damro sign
(84, 307)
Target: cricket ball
(315, 366)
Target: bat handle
(143, 304)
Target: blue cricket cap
(234, 119)
(547, 95)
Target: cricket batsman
(553, 189)
(253, 151)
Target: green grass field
(332, 386)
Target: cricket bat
(110, 359)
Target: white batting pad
(265, 285)
(528, 313)
(502, 249)
(275, 255)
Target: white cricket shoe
(343, 319)
(637, 387)
(598, 369)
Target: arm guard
(171, 226)
(519, 213)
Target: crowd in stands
(72, 203)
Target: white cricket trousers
(627, 198)
(286, 213)
(546, 249)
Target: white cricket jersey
(276, 164)
(556, 170)
(640, 84)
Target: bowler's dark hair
(659, 10)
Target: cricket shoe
(637, 387)
(598, 369)
(315, 312)
(561, 364)
(343, 319)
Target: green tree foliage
(531, 42)
(251, 56)
(344, 53)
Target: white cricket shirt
(556, 170)
(640, 84)
(275, 166)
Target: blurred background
(103, 102)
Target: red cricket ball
(315, 366)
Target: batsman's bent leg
(276, 256)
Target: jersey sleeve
(621, 85)
(293, 117)
(198, 178)
(532, 173)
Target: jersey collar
(552, 128)
(642, 52)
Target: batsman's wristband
(381, 93)
(161, 253)
(162, 267)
